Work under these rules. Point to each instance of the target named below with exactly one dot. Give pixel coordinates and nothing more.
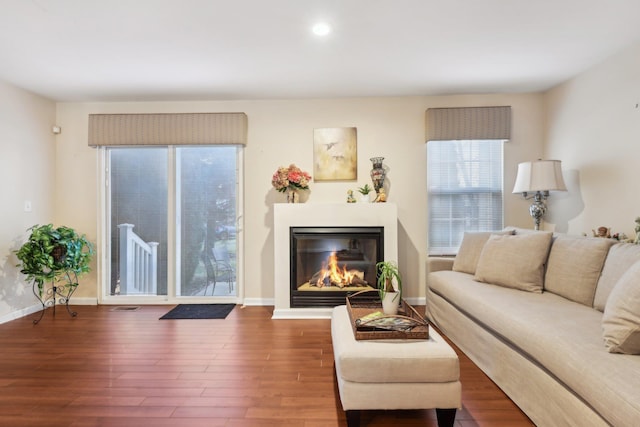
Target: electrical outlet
(27, 205)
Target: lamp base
(537, 209)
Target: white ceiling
(103, 50)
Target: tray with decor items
(370, 323)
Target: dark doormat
(199, 311)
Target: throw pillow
(621, 256)
(621, 318)
(472, 243)
(574, 267)
(515, 261)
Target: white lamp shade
(539, 175)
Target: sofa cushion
(574, 266)
(466, 260)
(621, 319)
(514, 261)
(621, 256)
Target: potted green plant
(389, 286)
(365, 190)
(55, 255)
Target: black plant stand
(61, 294)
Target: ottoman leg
(446, 417)
(353, 418)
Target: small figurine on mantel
(602, 232)
(350, 198)
(381, 197)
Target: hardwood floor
(127, 368)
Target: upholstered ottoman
(394, 374)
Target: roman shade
(167, 129)
(468, 123)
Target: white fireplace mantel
(287, 215)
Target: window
(465, 191)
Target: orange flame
(337, 276)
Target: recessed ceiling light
(321, 29)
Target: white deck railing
(138, 263)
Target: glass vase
(377, 173)
(292, 195)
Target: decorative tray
(369, 323)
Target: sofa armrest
(439, 263)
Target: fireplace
(323, 215)
(329, 263)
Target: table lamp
(539, 177)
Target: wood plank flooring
(127, 368)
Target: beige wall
(27, 148)
(280, 132)
(593, 124)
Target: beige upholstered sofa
(553, 320)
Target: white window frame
(466, 182)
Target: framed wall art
(335, 154)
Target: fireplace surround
(312, 215)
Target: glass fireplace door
(329, 263)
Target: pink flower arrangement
(290, 177)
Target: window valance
(167, 129)
(468, 123)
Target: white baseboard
(20, 313)
(83, 301)
(417, 300)
(37, 307)
(258, 301)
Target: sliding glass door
(173, 228)
(206, 213)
